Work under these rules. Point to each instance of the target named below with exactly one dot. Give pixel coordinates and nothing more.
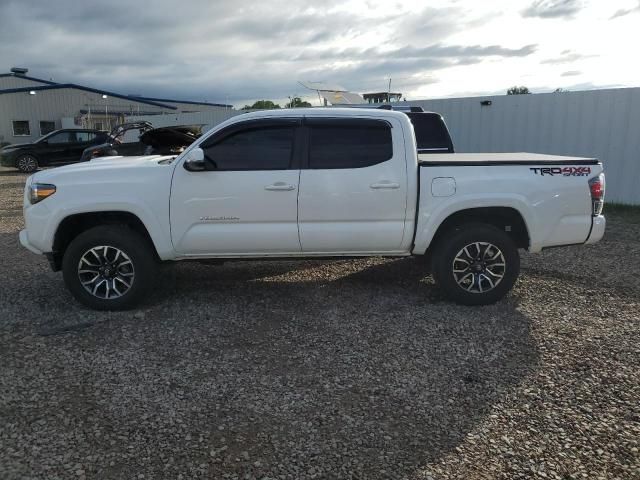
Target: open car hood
(171, 137)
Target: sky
(239, 51)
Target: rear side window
(84, 137)
(349, 144)
(266, 148)
(431, 132)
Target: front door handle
(381, 185)
(280, 186)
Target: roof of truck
(324, 111)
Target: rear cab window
(431, 132)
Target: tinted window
(431, 132)
(266, 148)
(84, 137)
(62, 137)
(349, 145)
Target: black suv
(57, 147)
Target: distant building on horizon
(382, 97)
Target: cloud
(223, 50)
(232, 51)
(553, 8)
(566, 56)
(451, 52)
(571, 73)
(626, 11)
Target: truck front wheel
(109, 267)
(476, 264)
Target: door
(245, 203)
(56, 148)
(353, 187)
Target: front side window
(260, 148)
(47, 127)
(62, 137)
(21, 128)
(349, 145)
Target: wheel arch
(73, 225)
(507, 219)
(27, 152)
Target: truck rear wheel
(109, 267)
(476, 264)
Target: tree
(262, 105)
(296, 102)
(515, 90)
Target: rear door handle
(280, 186)
(381, 185)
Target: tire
(27, 163)
(121, 279)
(467, 280)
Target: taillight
(596, 185)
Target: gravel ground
(323, 369)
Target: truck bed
(517, 158)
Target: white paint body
(393, 208)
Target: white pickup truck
(309, 183)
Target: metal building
(31, 107)
(595, 123)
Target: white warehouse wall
(596, 123)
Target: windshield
(44, 137)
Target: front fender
(42, 222)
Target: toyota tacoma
(305, 183)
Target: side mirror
(194, 161)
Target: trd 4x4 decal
(566, 171)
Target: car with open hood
(149, 141)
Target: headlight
(40, 191)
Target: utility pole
(389, 91)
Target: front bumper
(24, 241)
(598, 225)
